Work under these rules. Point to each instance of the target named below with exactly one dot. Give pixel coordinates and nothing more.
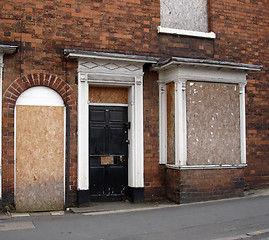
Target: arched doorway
(39, 150)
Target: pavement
(228, 219)
(100, 208)
(126, 206)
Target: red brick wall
(99, 25)
(10, 96)
(242, 36)
(185, 186)
(241, 28)
(42, 29)
(153, 172)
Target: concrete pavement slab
(7, 226)
(20, 214)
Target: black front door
(108, 152)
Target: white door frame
(111, 70)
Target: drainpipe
(67, 156)
(1, 79)
(4, 49)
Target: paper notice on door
(107, 160)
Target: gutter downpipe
(67, 156)
(4, 49)
(1, 80)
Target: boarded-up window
(108, 95)
(213, 123)
(39, 158)
(171, 123)
(185, 14)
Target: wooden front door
(108, 152)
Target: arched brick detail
(37, 79)
(9, 101)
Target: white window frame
(180, 71)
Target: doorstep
(34, 214)
(97, 208)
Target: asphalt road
(246, 218)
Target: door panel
(108, 153)
(97, 140)
(117, 139)
(97, 116)
(116, 116)
(114, 173)
(97, 176)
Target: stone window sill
(173, 31)
(224, 166)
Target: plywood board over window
(39, 158)
(108, 95)
(213, 123)
(185, 14)
(171, 123)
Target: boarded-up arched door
(39, 150)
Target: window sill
(229, 166)
(173, 31)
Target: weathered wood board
(39, 158)
(213, 123)
(171, 123)
(108, 95)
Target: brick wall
(184, 186)
(10, 97)
(153, 172)
(241, 27)
(42, 29)
(242, 36)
